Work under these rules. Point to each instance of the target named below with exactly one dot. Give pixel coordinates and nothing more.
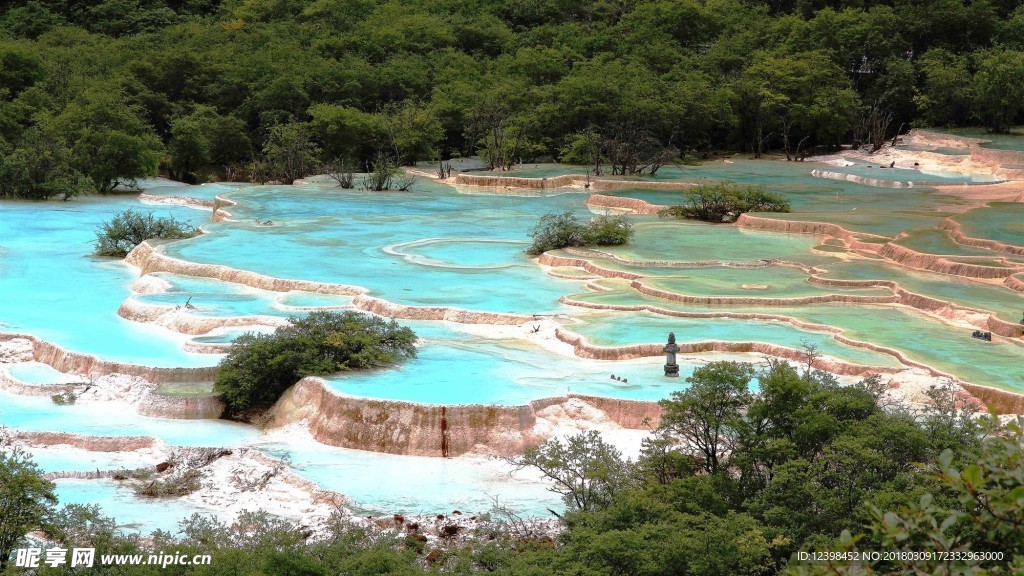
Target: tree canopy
(98, 92)
(260, 367)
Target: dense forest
(96, 92)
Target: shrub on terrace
(260, 367)
(129, 228)
(565, 230)
(724, 202)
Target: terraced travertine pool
(1001, 222)
(1012, 141)
(441, 246)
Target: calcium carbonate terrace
(456, 248)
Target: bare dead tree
(899, 130)
(632, 149)
(810, 355)
(800, 152)
(874, 125)
(342, 171)
(444, 170)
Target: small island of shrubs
(724, 202)
(260, 367)
(128, 229)
(567, 230)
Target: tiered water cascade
(876, 278)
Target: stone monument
(671, 368)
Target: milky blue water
(132, 513)
(52, 286)
(39, 373)
(338, 236)
(39, 413)
(476, 371)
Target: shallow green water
(1004, 302)
(133, 514)
(769, 282)
(921, 338)
(668, 240)
(939, 242)
(644, 327)
(1002, 222)
(1012, 141)
(39, 373)
(39, 413)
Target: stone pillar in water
(671, 368)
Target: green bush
(565, 230)
(260, 367)
(129, 228)
(724, 202)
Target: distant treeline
(97, 91)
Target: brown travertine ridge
(894, 252)
(176, 200)
(219, 212)
(953, 228)
(15, 386)
(555, 261)
(635, 205)
(947, 310)
(411, 428)
(1015, 282)
(152, 403)
(745, 300)
(1001, 401)
(942, 309)
(91, 366)
(943, 265)
(190, 407)
(854, 240)
(149, 259)
(562, 181)
(584, 349)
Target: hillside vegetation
(97, 92)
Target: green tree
(289, 153)
(947, 94)
(555, 231)
(260, 367)
(584, 469)
(40, 168)
(189, 148)
(25, 500)
(704, 417)
(110, 143)
(999, 85)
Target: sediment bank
(411, 428)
